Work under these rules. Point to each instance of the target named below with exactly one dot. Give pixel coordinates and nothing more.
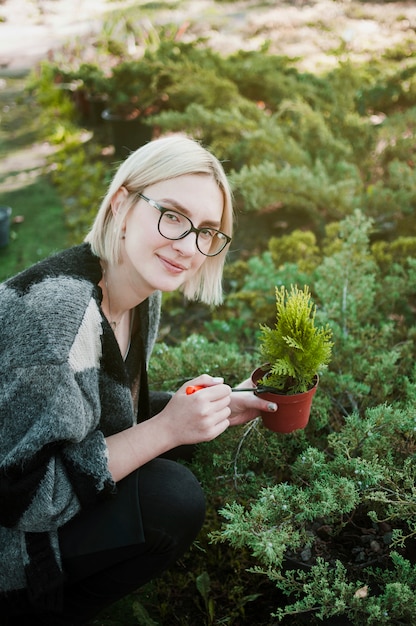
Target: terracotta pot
(293, 410)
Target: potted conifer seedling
(295, 351)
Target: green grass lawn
(24, 185)
(42, 232)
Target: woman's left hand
(245, 406)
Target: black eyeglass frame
(192, 228)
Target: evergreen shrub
(327, 161)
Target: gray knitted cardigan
(63, 388)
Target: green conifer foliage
(296, 349)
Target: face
(154, 262)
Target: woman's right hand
(186, 419)
(200, 416)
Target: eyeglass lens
(174, 225)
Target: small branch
(252, 425)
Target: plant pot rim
(266, 366)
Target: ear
(118, 199)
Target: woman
(89, 508)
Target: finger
(220, 426)
(212, 393)
(206, 380)
(271, 407)
(193, 389)
(262, 405)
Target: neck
(122, 287)
(113, 306)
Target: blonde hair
(163, 159)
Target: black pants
(172, 509)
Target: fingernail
(271, 406)
(218, 379)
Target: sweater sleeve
(53, 457)
(55, 465)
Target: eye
(174, 219)
(171, 216)
(207, 233)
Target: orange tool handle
(193, 388)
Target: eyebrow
(182, 209)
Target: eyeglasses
(173, 225)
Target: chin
(168, 286)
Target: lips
(172, 266)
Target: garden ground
(300, 29)
(291, 27)
(296, 28)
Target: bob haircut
(163, 159)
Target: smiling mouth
(171, 266)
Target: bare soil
(309, 31)
(30, 29)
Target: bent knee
(170, 492)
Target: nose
(186, 246)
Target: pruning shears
(259, 389)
